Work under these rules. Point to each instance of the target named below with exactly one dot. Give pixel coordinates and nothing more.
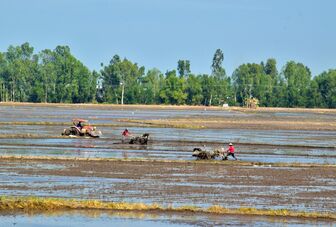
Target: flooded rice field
(168, 150)
(35, 130)
(173, 183)
(171, 143)
(270, 173)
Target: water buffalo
(205, 155)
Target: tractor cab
(80, 123)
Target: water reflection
(98, 218)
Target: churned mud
(264, 148)
(174, 183)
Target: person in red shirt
(125, 134)
(229, 152)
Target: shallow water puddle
(89, 218)
(174, 151)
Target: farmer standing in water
(229, 152)
(125, 134)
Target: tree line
(56, 76)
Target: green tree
(256, 80)
(276, 87)
(183, 67)
(48, 76)
(119, 75)
(4, 91)
(215, 90)
(21, 70)
(314, 95)
(74, 81)
(271, 68)
(243, 81)
(217, 69)
(194, 90)
(279, 98)
(173, 91)
(326, 82)
(298, 79)
(152, 83)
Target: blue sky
(157, 33)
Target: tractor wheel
(66, 132)
(75, 132)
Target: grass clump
(269, 212)
(36, 204)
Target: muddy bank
(172, 183)
(183, 107)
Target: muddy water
(64, 113)
(167, 152)
(272, 137)
(167, 143)
(139, 219)
(203, 185)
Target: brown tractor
(81, 127)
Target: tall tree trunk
(46, 94)
(122, 94)
(13, 92)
